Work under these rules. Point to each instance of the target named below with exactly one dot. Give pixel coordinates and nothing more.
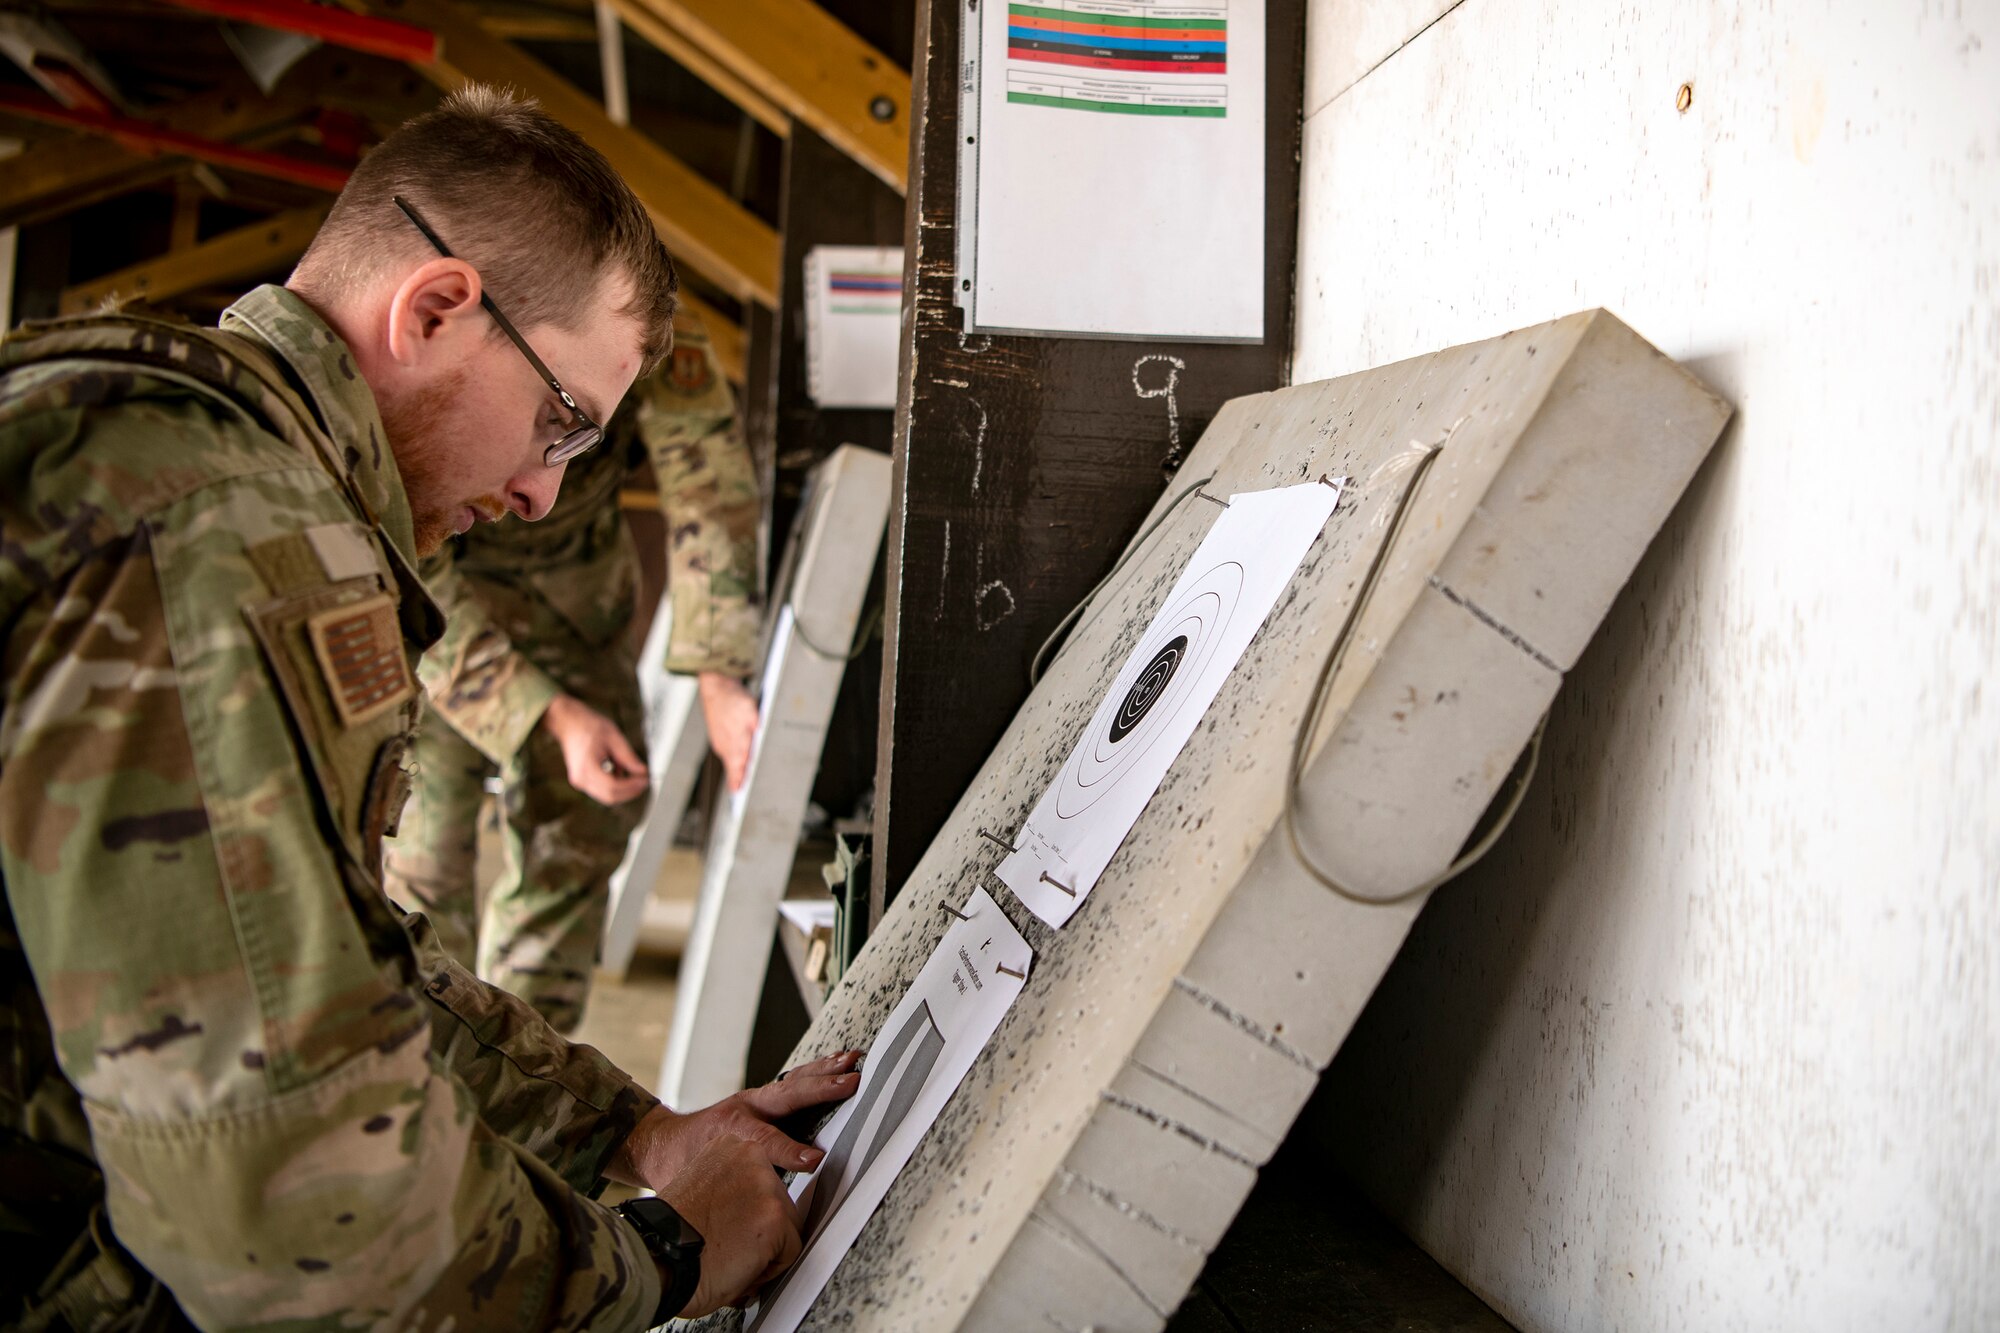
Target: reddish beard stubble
(413, 424)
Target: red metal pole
(146, 136)
(357, 32)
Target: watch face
(659, 1218)
(688, 1237)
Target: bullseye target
(1151, 684)
(1152, 689)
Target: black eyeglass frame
(580, 437)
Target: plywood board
(756, 830)
(1024, 465)
(1172, 1029)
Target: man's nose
(533, 493)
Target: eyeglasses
(585, 432)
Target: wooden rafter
(67, 171)
(228, 258)
(702, 226)
(801, 59)
(695, 59)
(155, 138)
(357, 32)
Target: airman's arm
(708, 488)
(274, 1106)
(476, 679)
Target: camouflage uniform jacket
(569, 580)
(296, 1112)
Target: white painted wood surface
(1713, 1043)
(1173, 1028)
(676, 745)
(756, 831)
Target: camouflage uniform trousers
(540, 929)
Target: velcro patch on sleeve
(345, 551)
(360, 652)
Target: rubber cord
(1040, 665)
(1323, 690)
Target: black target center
(1146, 690)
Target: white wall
(1713, 1042)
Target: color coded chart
(1067, 222)
(1143, 39)
(1117, 96)
(856, 293)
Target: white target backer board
(1159, 696)
(1095, 1153)
(929, 1040)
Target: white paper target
(1158, 697)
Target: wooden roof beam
(798, 57)
(691, 56)
(67, 171)
(229, 258)
(703, 227)
(357, 32)
(150, 137)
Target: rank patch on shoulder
(360, 652)
(688, 370)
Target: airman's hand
(731, 716)
(748, 1226)
(662, 1145)
(600, 762)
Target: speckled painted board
(1099, 1148)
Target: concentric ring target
(1157, 678)
(1147, 689)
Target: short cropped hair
(517, 195)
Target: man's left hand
(665, 1141)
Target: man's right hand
(749, 1228)
(600, 762)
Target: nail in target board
(1159, 696)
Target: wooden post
(1024, 464)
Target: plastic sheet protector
(918, 1058)
(1114, 163)
(1158, 697)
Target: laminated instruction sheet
(1113, 169)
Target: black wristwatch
(671, 1241)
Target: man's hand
(731, 715)
(663, 1144)
(748, 1226)
(601, 764)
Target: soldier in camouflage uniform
(536, 680)
(238, 1090)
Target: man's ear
(431, 307)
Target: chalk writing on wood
(1175, 366)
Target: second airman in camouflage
(535, 683)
